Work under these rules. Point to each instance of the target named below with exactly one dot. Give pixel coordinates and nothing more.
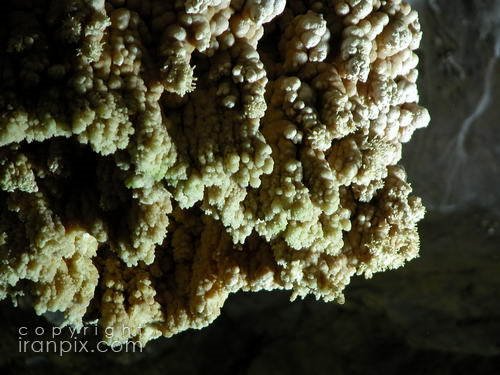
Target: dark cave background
(440, 314)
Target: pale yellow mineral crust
(156, 156)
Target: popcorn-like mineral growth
(156, 156)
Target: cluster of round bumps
(156, 156)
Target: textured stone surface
(454, 163)
(438, 315)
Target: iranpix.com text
(58, 340)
